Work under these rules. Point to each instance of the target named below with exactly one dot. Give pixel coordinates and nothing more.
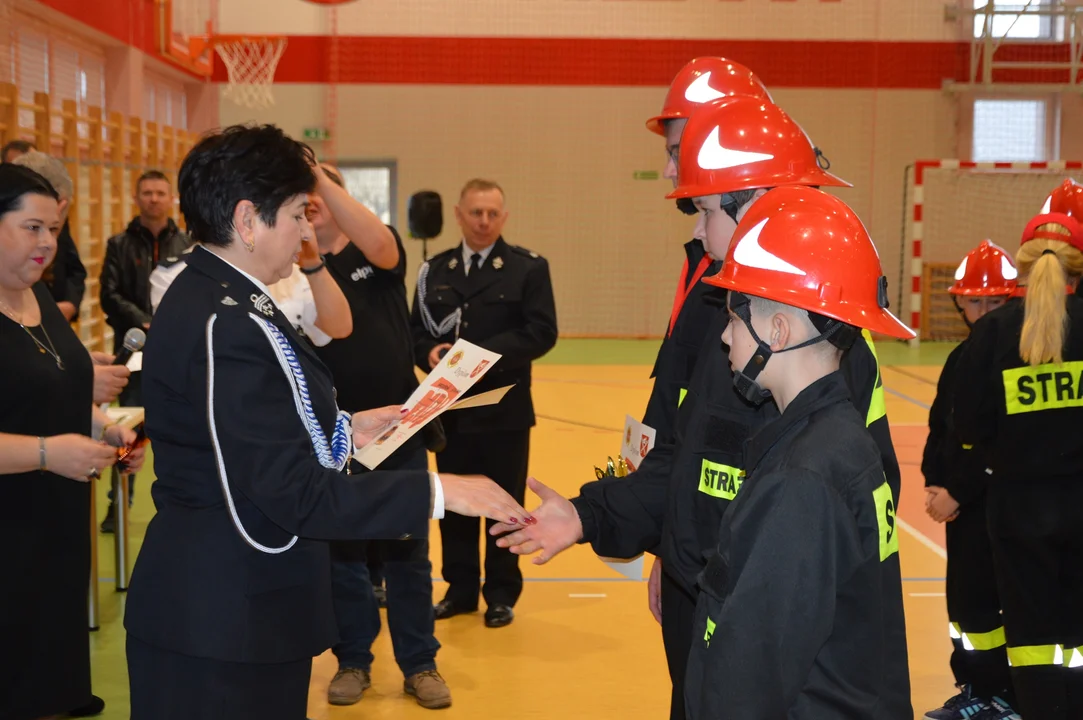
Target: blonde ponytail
(1046, 267)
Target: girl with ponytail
(1021, 396)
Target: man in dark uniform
(498, 296)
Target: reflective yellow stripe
(720, 481)
(1073, 658)
(1031, 655)
(967, 447)
(979, 641)
(1045, 387)
(680, 397)
(885, 518)
(877, 404)
(710, 631)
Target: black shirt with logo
(374, 366)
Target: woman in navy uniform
(1021, 399)
(231, 595)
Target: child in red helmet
(955, 482)
(794, 610)
(1022, 402)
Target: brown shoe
(348, 685)
(429, 688)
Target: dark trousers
(1038, 551)
(503, 457)
(169, 686)
(678, 611)
(130, 396)
(408, 574)
(980, 656)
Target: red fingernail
(514, 521)
(532, 520)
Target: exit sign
(317, 134)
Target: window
(373, 185)
(1016, 19)
(1013, 130)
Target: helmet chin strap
(969, 325)
(745, 379)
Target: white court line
(586, 595)
(926, 594)
(922, 538)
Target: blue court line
(898, 394)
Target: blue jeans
(408, 576)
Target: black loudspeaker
(425, 212)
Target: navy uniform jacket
(231, 453)
(507, 307)
(802, 593)
(676, 360)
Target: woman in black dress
(47, 422)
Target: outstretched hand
(558, 527)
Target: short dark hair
(19, 146)
(16, 182)
(258, 163)
(152, 175)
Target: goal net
(955, 205)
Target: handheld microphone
(133, 343)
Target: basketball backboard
(183, 26)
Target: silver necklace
(51, 350)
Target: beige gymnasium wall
(566, 155)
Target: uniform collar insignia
(227, 300)
(263, 304)
(498, 262)
(453, 264)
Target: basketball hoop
(250, 66)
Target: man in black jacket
(498, 296)
(130, 257)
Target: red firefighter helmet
(702, 80)
(742, 143)
(802, 247)
(985, 271)
(1064, 206)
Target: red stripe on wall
(614, 62)
(638, 62)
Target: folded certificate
(443, 389)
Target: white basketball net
(251, 66)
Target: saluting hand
(558, 527)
